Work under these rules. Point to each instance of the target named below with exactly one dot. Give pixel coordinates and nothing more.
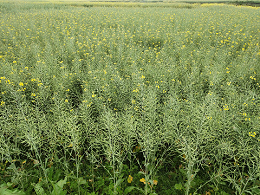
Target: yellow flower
(225, 107)
(143, 180)
(252, 134)
(129, 179)
(21, 84)
(2, 103)
(155, 182)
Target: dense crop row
(102, 102)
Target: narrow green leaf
(119, 181)
(129, 189)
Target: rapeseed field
(117, 98)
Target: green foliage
(129, 102)
(5, 191)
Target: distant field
(129, 98)
(165, 1)
(143, 3)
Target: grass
(141, 99)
